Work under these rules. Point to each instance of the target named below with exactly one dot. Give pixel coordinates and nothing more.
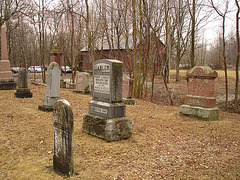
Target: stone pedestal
(23, 93)
(128, 101)
(6, 77)
(108, 129)
(7, 84)
(207, 114)
(200, 101)
(106, 118)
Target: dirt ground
(164, 145)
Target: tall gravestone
(107, 113)
(82, 83)
(200, 101)
(6, 77)
(127, 91)
(63, 138)
(23, 91)
(53, 87)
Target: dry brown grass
(164, 145)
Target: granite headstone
(107, 113)
(52, 88)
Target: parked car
(14, 69)
(68, 69)
(38, 69)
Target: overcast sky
(214, 23)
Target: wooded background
(35, 27)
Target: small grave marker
(23, 91)
(127, 90)
(63, 138)
(82, 83)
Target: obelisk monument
(6, 77)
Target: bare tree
(223, 16)
(238, 57)
(182, 31)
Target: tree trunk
(192, 53)
(134, 48)
(140, 52)
(238, 57)
(225, 63)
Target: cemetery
(163, 143)
(94, 126)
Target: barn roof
(122, 44)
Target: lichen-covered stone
(207, 114)
(63, 138)
(107, 129)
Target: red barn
(120, 52)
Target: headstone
(200, 101)
(63, 138)
(53, 87)
(82, 83)
(127, 90)
(6, 77)
(107, 113)
(62, 82)
(23, 91)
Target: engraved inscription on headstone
(63, 138)
(107, 80)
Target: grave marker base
(80, 91)
(108, 129)
(128, 101)
(207, 114)
(107, 110)
(45, 108)
(23, 93)
(7, 84)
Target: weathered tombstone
(106, 118)
(53, 87)
(200, 101)
(82, 83)
(6, 77)
(127, 90)
(63, 138)
(23, 91)
(62, 82)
